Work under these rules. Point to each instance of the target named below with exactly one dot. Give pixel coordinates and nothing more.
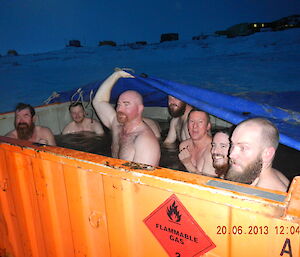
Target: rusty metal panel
(9, 227)
(53, 207)
(21, 184)
(87, 211)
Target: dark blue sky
(31, 26)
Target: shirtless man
(26, 129)
(132, 138)
(220, 151)
(178, 125)
(194, 153)
(254, 143)
(80, 122)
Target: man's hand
(186, 159)
(185, 155)
(122, 74)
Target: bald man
(132, 137)
(253, 146)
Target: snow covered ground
(263, 62)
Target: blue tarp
(231, 108)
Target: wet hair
(22, 106)
(75, 104)
(227, 131)
(198, 110)
(269, 133)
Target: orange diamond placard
(177, 231)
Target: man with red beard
(27, 130)
(80, 122)
(132, 138)
(220, 151)
(253, 146)
(194, 153)
(178, 125)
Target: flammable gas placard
(177, 231)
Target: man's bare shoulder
(12, 134)
(282, 177)
(43, 130)
(88, 120)
(68, 127)
(272, 181)
(145, 131)
(147, 148)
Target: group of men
(244, 156)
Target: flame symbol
(173, 213)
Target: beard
(122, 117)
(248, 175)
(24, 130)
(177, 112)
(79, 121)
(220, 169)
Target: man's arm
(147, 150)
(171, 137)
(101, 100)
(11, 134)
(154, 126)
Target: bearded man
(26, 129)
(253, 146)
(178, 125)
(132, 138)
(220, 151)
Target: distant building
(107, 43)
(288, 22)
(245, 29)
(169, 37)
(74, 43)
(12, 52)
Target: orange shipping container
(63, 203)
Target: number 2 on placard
(177, 254)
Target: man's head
(24, 120)
(220, 151)
(77, 112)
(254, 143)
(129, 106)
(175, 106)
(198, 124)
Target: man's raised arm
(101, 100)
